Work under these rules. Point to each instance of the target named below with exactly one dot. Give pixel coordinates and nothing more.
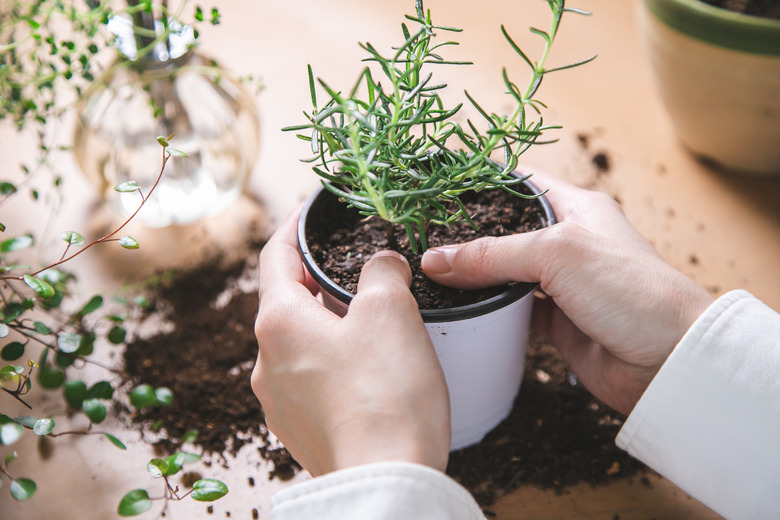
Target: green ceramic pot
(719, 76)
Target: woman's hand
(340, 392)
(614, 308)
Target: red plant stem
(165, 157)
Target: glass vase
(212, 116)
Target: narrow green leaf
(208, 490)
(116, 442)
(22, 489)
(41, 288)
(72, 238)
(127, 187)
(75, 392)
(162, 140)
(68, 342)
(128, 242)
(134, 503)
(95, 410)
(143, 396)
(157, 468)
(43, 426)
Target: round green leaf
(75, 392)
(41, 288)
(143, 396)
(27, 421)
(190, 436)
(16, 243)
(91, 306)
(12, 351)
(157, 468)
(10, 433)
(4, 330)
(22, 489)
(41, 328)
(117, 335)
(134, 503)
(116, 442)
(6, 188)
(208, 490)
(43, 426)
(177, 153)
(50, 378)
(164, 396)
(177, 460)
(100, 390)
(68, 342)
(95, 410)
(128, 243)
(127, 187)
(72, 238)
(162, 140)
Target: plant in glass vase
(404, 165)
(133, 71)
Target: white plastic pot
(481, 346)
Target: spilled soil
(556, 436)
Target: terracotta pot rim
(718, 26)
(511, 295)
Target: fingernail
(439, 260)
(389, 252)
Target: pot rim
(719, 26)
(511, 295)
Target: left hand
(340, 392)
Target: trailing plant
(391, 148)
(53, 343)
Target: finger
(280, 261)
(488, 262)
(383, 290)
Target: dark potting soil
(763, 8)
(557, 434)
(342, 241)
(206, 360)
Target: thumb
(383, 289)
(488, 261)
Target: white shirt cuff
(710, 420)
(387, 490)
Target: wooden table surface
(722, 230)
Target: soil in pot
(342, 241)
(763, 8)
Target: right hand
(614, 308)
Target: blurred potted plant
(717, 66)
(409, 172)
(58, 54)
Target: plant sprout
(393, 150)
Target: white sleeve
(710, 420)
(382, 491)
